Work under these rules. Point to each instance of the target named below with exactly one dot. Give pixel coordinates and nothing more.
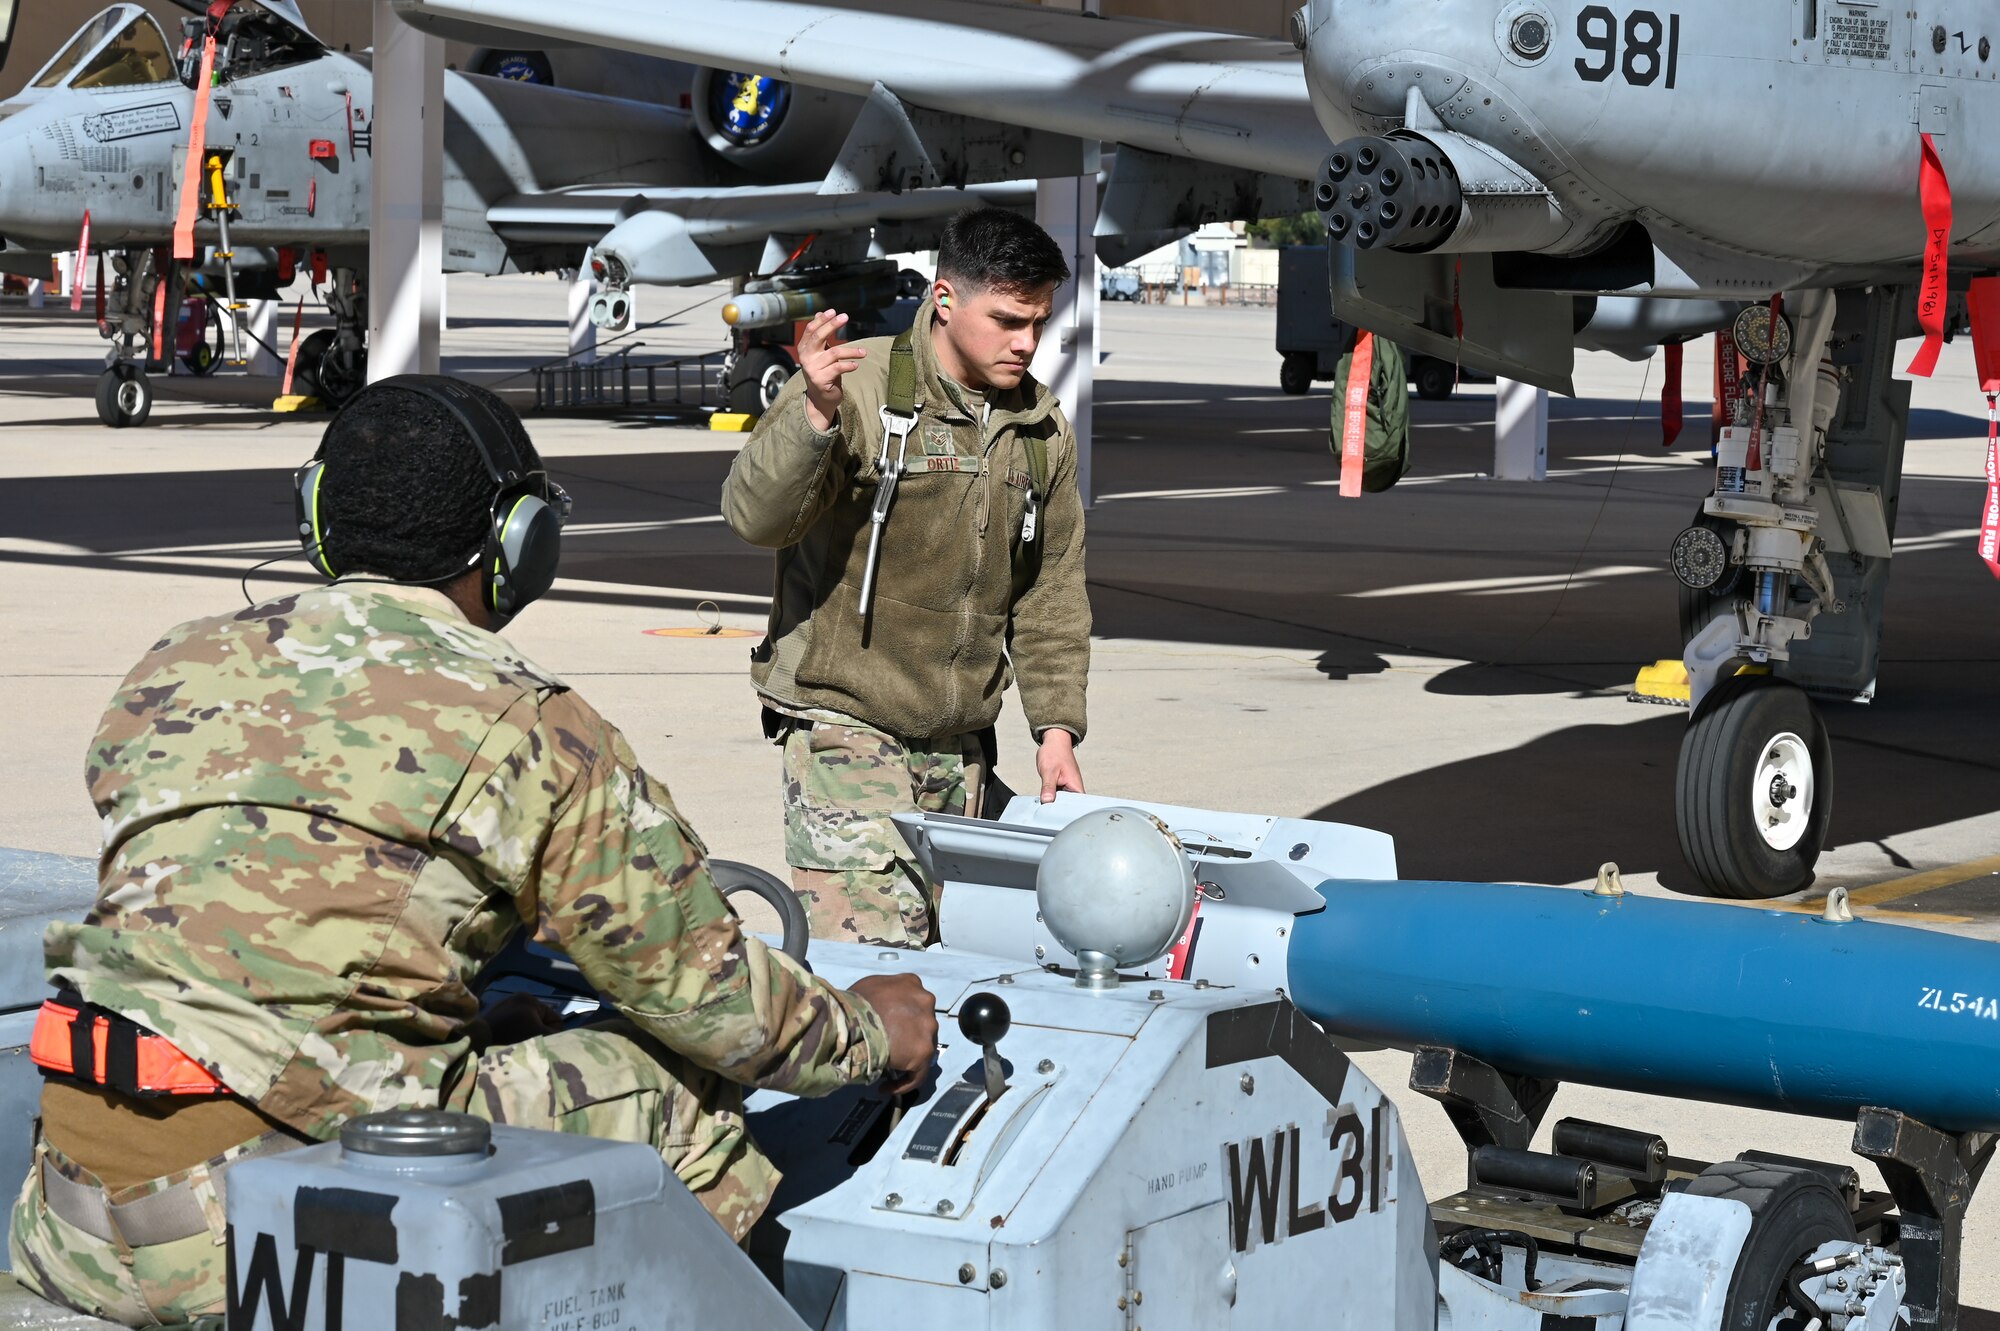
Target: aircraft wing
(1182, 92)
(673, 236)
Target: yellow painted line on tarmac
(1895, 889)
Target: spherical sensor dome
(1116, 882)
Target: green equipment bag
(1386, 452)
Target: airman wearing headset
(323, 814)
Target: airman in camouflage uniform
(980, 576)
(842, 781)
(322, 816)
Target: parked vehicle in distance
(1311, 340)
(1120, 284)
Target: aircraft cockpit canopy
(122, 47)
(255, 36)
(137, 55)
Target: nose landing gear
(1784, 574)
(124, 395)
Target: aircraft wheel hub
(1782, 791)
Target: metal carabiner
(889, 472)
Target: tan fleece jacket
(947, 616)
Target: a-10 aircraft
(534, 176)
(1495, 173)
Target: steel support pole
(406, 216)
(1066, 207)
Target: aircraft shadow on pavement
(1555, 808)
(1937, 423)
(103, 519)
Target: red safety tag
(1989, 523)
(1670, 398)
(1931, 297)
(1354, 425)
(312, 197)
(1183, 948)
(197, 145)
(292, 356)
(82, 259)
(1728, 380)
(160, 311)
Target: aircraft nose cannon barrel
(1763, 1008)
(1388, 193)
(1410, 191)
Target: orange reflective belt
(72, 1039)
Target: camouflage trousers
(850, 866)
(606, 1080)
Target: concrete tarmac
(1447, 661)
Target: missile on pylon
(769, 309)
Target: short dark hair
(996, 247)
(406, 494)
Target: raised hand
(823, 361)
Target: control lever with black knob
(984, 1019)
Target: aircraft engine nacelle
(1438, 190)
(773, 129)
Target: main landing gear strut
(1784, 573)
(332, 363)
(124, 393)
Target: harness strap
(902, 397)
(901, 401)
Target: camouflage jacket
(323, 814)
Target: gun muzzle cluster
(1388, 193)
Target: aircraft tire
(761, 374)
(1295, 372)
(1792, 1212)
(312, 351)
(1433, 378)
(732, 876)
(336, 383)
(1754, 791)
(124, 396)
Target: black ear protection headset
(517, 561)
